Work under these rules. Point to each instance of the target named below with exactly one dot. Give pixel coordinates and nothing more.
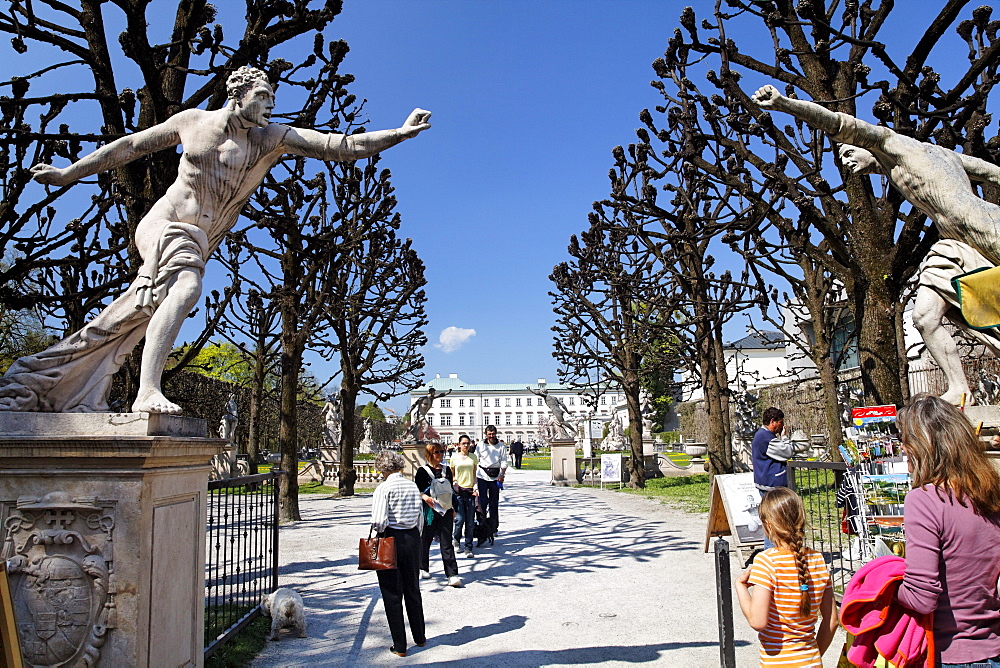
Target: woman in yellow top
(791, 584)
(463, 466)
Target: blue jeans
(985, 663)
(465, 517)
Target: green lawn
(688, 493)
(536, 463)
(317, 488)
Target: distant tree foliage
(372, 412)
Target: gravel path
(577, 576)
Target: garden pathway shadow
(576, 576)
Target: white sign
(611, 468)
(744, 506)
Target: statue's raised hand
(49, 175)
(416, 123)
(767, 97)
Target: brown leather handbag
(377, 554)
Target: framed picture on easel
(10, 644)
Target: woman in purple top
(952, 522)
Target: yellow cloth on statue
(979, 295)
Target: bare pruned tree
(610, 314)
(376, 315)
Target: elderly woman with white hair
(397, 510)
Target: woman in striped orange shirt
(792, 588)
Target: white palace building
(515, 411)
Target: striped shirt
(790, 638)
(396, 504)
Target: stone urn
(696, 450)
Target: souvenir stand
(875, 485)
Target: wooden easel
(720, 519)
(10, 654)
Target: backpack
(440, 489)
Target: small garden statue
(561, 428)
(418, 413)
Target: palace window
(507, 418)
(461, 403)
(529, 418)
(517, 402)
(518, 419)
(507, 402)
(446, 403)
(472, 420)
(496, 403)
(528, 400)
(461, 419)
(572, 401)
(446, 420)
(472, 403)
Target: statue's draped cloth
(74, 375)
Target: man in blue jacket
(768, 472)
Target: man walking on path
(492, 454)
(517, 451)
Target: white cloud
(452, 338)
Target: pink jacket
(881, 626)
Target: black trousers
(442, 528)
(517, 459)
(489, 501)
(402, 587)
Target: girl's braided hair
(784, 518)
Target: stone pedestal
(413, 453)
(104, 518)
(565, 472)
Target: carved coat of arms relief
(59, 551)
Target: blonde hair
(784, 519)
(945, 452)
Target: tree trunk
(288, 441)
(880, 373)
(630, 386)
(348, 401)
(256, 402)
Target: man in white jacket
(493, 460)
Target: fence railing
(817, 483)
(241, 555)
(367, 473)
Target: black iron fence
(241, 556)
(817, 483)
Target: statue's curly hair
(242, 80)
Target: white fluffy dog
(284, 607)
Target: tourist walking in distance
(463, 465)
(517, 451)
(397, 511)
(492, 454)
(952, 520)
(434, 480)
(791, 584)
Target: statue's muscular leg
(182, 296)
(929, 309)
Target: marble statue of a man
(938, 182)
(561, 428)
(418, 411)
(226, 155)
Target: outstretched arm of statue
(768, 97)
(980, 170)
(332, 146)
(119, 152)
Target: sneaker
(458, 545)
(454, 581)
(468, 553)
(424, 575)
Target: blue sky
(528, 100)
